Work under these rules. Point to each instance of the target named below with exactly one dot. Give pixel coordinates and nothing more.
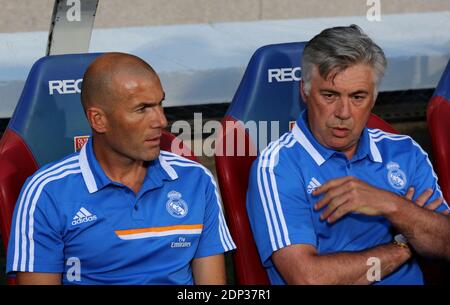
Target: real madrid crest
(396, 177)
(176, 206)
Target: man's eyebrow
(329, 91)
(148, 104)
(359, 92)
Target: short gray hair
(335, 49)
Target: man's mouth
(340, 132)
(153, 139)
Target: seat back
(268, 92)
(48, 124)
(438, 120)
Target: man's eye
(359, 98)
(328, 95)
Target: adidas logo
(82, 216)
(312, 185)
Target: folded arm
(300, 264)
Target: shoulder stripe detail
(262, 194)
(274, 157)
(169, 169)
(432, 171)
(172, 156)
(225, 236)
(391, 138)
(24, 203)
(25, 198)
(376, 155)
(268, 191)
(376, 132)
(378, 135)
(33, 207)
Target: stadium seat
(48, 123)
(268, 92)
(438, 120)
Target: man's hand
(423, 198)
(349, 194)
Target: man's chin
(340, 144)
(152, 155)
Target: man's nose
(160, 121)
(342, 110)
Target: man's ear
(302, 92)
(97, 119)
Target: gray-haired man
(323, 213)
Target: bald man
(121, 211)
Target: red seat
(255, 101)
(233, 172)
(17, 164)
(438, 119)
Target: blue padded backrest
(269, 89)
(443, 88)
(49, 113)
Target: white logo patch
(64, 86)
(312, 185)
(82, 216)
(181, 243)
(176, 206)
(284, 74)
(396, 177)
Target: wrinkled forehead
(357, 73)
